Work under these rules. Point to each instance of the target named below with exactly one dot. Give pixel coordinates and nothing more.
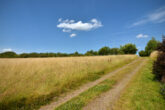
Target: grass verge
(142, 93)
(84, 98)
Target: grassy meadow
(27, 83)
(142, 93)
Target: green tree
(151, 46)
(91, 53)
(114, 51)
(104, 51)
(129, 48)
(9, 54)
(142, 53)
(24, 55)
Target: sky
(78, 25)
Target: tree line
(125, 49)
(129, 48)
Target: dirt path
(106, 100)
(81, 89)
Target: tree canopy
(129, 49)
(150, 47)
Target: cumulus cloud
(72, 35)
(141, 36)
(79, 25)
(7, 50)
(71, 25)
(158, 16)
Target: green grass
(78, 102)
(84, 98)
(143, 92)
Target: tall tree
(151, 46)
(104, 51)
(129, 48)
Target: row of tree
(125, 49)
(129, 48)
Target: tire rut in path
(62, 99)
(106, 100)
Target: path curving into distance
(106, 100)
(62, 99)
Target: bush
(142, 53)
(159, 64)
(162, 90)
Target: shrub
(142, 53)
(162, 90)
(159, 64)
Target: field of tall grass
(27, 83)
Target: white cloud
(158, 16)
(73, 35)
(79, 25)
(66, 30)
(60, 19)
(141, 36)
(7, 50)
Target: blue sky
(78, 25)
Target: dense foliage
(104, 51)
(142, 53)
(159, 64)
(126, 49)
(162, 90)
(129, 49)
(8, 55)
(150, 47)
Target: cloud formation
(141, 36)
(79, 25)
(158, 16)
(71, 25)
(72, 35)
(7, 50)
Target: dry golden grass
(154, 55)
(35, 77)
